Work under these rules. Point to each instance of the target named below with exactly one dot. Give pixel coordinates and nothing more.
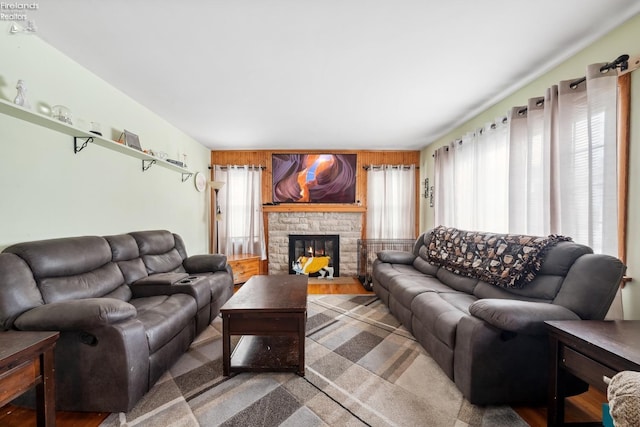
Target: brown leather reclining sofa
(127, 307)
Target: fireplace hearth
(315, 245)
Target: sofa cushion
(561, 257)
(125, 253)
(591, 285)
(454, 281)
(441, 312)
(122, 293)
(164, 316)
(70, 268)
(158, 251)
(63, 257)
(92, 284)
(383, 273)
(396, 257)
(425, 267)
(123, 247)
(404, 287)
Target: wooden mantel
(312, 207)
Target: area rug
(362, 369)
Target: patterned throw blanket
(507, 260)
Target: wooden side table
(590, 350)
(26, 360)
(244, 266)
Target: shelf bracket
(76, 148)
(146, 164)
(186, 176)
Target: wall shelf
(82, 138)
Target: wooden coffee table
(270, 312)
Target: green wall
(624, 39)
(47, 191)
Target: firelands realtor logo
(16, 11)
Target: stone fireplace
(347, 225)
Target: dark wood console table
(590, 350)
(26, 360)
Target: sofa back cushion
(125, 253)
(507, 260)
(425, 266)
(545, 286)
(158, 251)
(457, 282)
(591, 285)
(18, 289)
(70, 268)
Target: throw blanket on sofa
(507, 260)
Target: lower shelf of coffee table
(266, 353)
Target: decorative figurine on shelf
(21, 97)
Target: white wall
(48, 191)
(624, 39)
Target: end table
(26, 360)
(589, 350)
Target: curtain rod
(392, 167)
(240, 166)
(621, 62)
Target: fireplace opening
(316, 246)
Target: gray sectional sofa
(126, 306)
(477, 303)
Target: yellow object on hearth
(313, 264)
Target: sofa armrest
(74, 315)
(525, 317)
(205, 263)
(396, 257)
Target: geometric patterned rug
(362, 369)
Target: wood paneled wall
(364, 158)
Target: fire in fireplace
(315, 245)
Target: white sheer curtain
(492, 178)
(563, 162)
(443, 202)
(391, 202)
(587, 161)
(471, 180)
(561, 169)
(587, 200)
(241, 229)
(530, 169)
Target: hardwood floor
(582, 408)
(586, 407)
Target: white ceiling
(334, 74)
